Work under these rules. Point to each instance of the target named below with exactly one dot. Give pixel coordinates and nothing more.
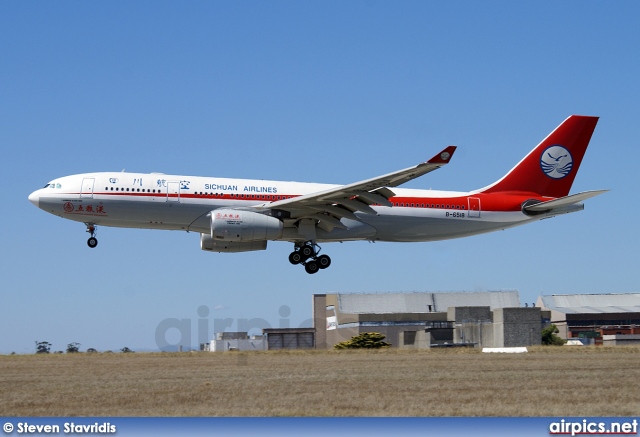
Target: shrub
(549, 336)
(73, 348)
(366, 340)
(43, 347)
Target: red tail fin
(550, 168)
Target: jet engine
(240, 231)
(211, 245)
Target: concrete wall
(239, 345)
(290, 338)
(472, 324)
(516, 327)
(227, 335)
(319, 306)
(479, 332)
(392, 333)
(335, 336)
(621, 340)
(563, 329)
(468, 314)
(415, 340)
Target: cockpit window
(52, 185)
(46, 186)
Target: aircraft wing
(329, 206)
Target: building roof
(592, 303)
(423, 302)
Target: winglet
(443, 157)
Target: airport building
(290, 338)
(453, 319)
(236, 341)
(424, 320)
(601, 319)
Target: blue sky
(328, 92)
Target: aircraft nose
(35, 198)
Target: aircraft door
(474, 207)
(173, 191)
(86, 190)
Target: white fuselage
(171, 202)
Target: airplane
(240, 215)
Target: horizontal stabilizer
(563, 201)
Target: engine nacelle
(231, 225)
(208, 243)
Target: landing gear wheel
(323, 261)
(311, 267)
(306, 254)
(91, 229)
(307, 251)
(295, 257)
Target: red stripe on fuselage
(498, 202)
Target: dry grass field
(547, 381)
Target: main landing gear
(307, 255)
(92, 230)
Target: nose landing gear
(307, 255)
(92, 230)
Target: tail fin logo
(556, 162)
